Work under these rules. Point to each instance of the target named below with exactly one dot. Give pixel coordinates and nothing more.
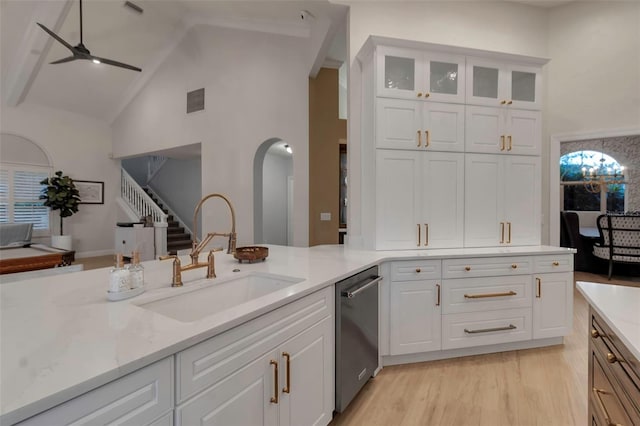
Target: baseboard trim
(93, 253)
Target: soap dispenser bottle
(136, 272)
(119, 279)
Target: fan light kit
(81, 52)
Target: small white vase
(61, 241)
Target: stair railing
(154, 164)
(176, 217)
(138, 200)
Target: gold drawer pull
(287, 387)
(418, 270)
(427, 94)
(438, 302)
(482, 296)
(612, 359)
(503, 102)
(594, 333)
(276, 388)
(419, 94)
(426, 234)
(419, 138)
(603, 409)
(501, 232)
(556, 263)
(467, 268)
(428, 137)
(514, 266)
(489, 330)
(502, 143)
(510, 143)
(419, 236)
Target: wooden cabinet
(414, 125)
(420, 199)
(415, 307)
(144, 397)
(276, 369)
(415, 74)
(494, 83)
(502, 200)
(614, 377)
(502, 130)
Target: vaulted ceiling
(114, 31)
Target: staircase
(177, 238)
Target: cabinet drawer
(414, 270)
(553, 263)
(485, 328)
(212, 360)
(623, 365)
(139, 398)
(486, 266)
(606, 403)
(484, 294)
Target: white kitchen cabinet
(415, 74)
(502, 200)
(420, 199)
(495, 83)
(276, 369)
(502, 131)
(414, 125)
(144, 397)
(129, 239)
(552, 304)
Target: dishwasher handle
(352, 294)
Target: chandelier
(598, 178)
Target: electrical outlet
(325, 216)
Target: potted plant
(61, 194)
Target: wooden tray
(251, 253)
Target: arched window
(583, 194)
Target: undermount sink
(215, 296)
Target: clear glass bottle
(119, 277)
(136, 272)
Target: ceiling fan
(81, 52)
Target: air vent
(133, 7)
(195, 100)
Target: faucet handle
(177, 269)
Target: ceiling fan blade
(116, 63)
(54, 35)
(67, 59)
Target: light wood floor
(545, 386)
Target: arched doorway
(273, 193)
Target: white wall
(497, 26)
(275, 171)
(178, 183)
(256, 88)
(79, 146)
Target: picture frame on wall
(91, 192)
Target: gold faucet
(198, 246)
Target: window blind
(19, 192)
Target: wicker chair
(620, 239)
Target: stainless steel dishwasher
(356, 334)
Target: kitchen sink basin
(212, 297)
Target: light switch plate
(325, 216)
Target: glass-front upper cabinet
(413, 74)
(494, 84)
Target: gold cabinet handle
(502, 143)
(276, 387)
(509, 103)
(510, 143)
(427, 134)
(438, 298)
(503, 102)
(419, 94)
(611, 358)
(485, 295)
(509, 234)
(555, 263)
(594, 333)
(419, 239)
(501, 232)
(489, 330)
(426, 234)
(418, 270)
(467, 268)
(514, 266)
(287, 387)
(419, 137)
(427, 94)
(603, 409)
(538, 287)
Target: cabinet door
(443, 200)
(399, 73)
(444, 77)
(443, 126)
(523, 132)
(243, 398)
(485, 130)
(398, 199)
(484, 200)
(415, 320)
(552, 305)
(307, 382)
(398, 123)
(522, 200)
(524, 87)
(486, 83)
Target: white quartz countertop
(60, 337)
(619, 306)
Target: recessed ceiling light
(288, 149)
